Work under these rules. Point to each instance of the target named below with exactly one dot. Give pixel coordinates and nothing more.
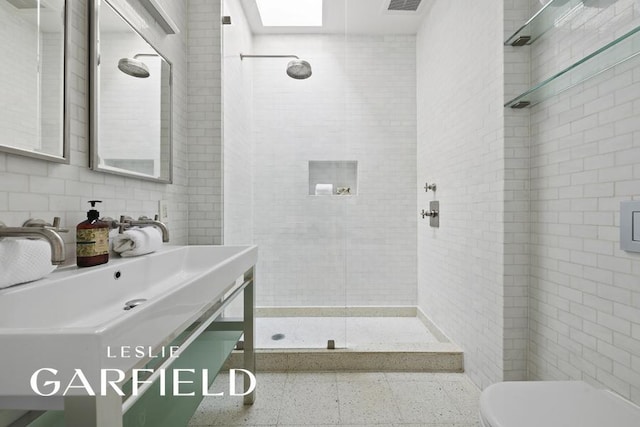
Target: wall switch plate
(163, 210)
(630, 226)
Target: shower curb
(292, 360)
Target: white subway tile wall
(205, 122)
(35, 188)
(584, 301)
(516, 199)
(461, 271)
(359, 105)
(238, 122)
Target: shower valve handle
(430, 187)
(431, 214)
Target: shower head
(296, 69)
(134, 67)
(299, 69)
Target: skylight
(290, 13)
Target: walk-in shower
(296, 69)
(337, 268)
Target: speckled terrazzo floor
(383, 333)
(346, 399)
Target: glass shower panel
(381, 219)
(274, 128)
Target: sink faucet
(144, 221)
(38, 229)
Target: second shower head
(134, 67)
(297, 68)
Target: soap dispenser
(92, 239)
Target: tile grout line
(395, 400)
(338, 400)
(284, 392)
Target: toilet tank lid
(555, 404)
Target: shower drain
(277, 337)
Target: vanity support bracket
(249, 333)
(98, 411)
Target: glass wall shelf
(603, 59)
(551, 15)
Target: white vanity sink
(72, 318)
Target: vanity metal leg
(249, 337)
(90, 411)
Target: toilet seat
(554, 404)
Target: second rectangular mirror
(131, 99)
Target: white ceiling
(348, 16)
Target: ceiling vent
(404, 5)
(24, 4)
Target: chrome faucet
(39, 229)
(143, 221)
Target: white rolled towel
(137, 241)
(324, 189)
(23, 260)
(113, 233)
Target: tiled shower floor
(371, 333)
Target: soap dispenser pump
(92, 239)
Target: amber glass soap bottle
(92, 239)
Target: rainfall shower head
(296, 69)
(134, 67)
(299, 69)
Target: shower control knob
(431, 214)
(429, 187)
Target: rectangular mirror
(130, 99)
(33, 97)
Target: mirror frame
(94, 94)
(66, 102)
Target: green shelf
(618, 51)
(550, 15)
(208, 351)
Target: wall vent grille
(25, 4)
(406, 5)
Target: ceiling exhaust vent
(25, 4)
(405, 5)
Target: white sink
(72, 318)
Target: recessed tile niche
(333, 178)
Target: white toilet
(554, 404)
